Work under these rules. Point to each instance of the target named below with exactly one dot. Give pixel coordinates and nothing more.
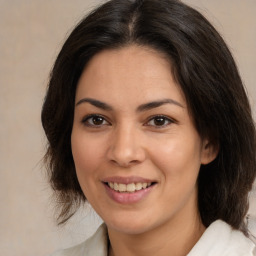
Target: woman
(147, 119)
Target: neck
(176, 238)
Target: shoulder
(95, 245)
(221, 239)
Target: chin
(131, 225)
(128, 228)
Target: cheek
(178, 158)
(86, 154)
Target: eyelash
(164, 118)
(87, 119)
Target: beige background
(31, 33)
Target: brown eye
(95, 121)
(159, 121)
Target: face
(136, 151)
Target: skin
(130, 140)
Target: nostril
(124, 163)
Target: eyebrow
(96, 103)
(157, 103)
(141, 108)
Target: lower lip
(128, 197)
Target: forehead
(131, 72)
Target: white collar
(220, 239)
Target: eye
(159, 121)
(95, 121)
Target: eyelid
(169, 119)
(149, 119)
(87, 117)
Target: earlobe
(209, 152)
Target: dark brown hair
(206, 72)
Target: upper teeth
(129, 187)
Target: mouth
(130, 187)
(128, 190)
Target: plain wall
(31, 34)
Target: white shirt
(219, 239)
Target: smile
(131, 187)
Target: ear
(209, 152)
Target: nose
(126, 147)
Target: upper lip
(127, 180)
